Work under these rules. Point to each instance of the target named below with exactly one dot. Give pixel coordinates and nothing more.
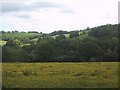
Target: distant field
(66, 35)
(2, 43)
(60, 75)
(19, 35)
(22, 38)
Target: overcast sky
(53, 15)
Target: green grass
(54, 36)
(60, 75)
(2, 43)
(66, 35)
(35, 39)
(24, 45)
(19, 35)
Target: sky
(51, 15)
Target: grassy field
(60, 75)
(2, 43)
(19, 35)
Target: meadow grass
(19, 35)
(60, 75)
(2, 43)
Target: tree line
(93, 44)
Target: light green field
(19, 35)
(2, 43)
(60, 75)
(66, 35)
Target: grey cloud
(24, 16)
(12, 6)
(46, 5)
(68, 10)
(21, 6)
(16, 6)
(119, 12)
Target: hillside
(91, 44)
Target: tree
(11, 44)
(44, 52)
(74, 34)
(65, 50)
(59, 32)
(15, 54)
(89, 50)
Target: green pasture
(19, 35)
(2, 43)
(60, 75)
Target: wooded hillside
(91, 44)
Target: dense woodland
(91, 44)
